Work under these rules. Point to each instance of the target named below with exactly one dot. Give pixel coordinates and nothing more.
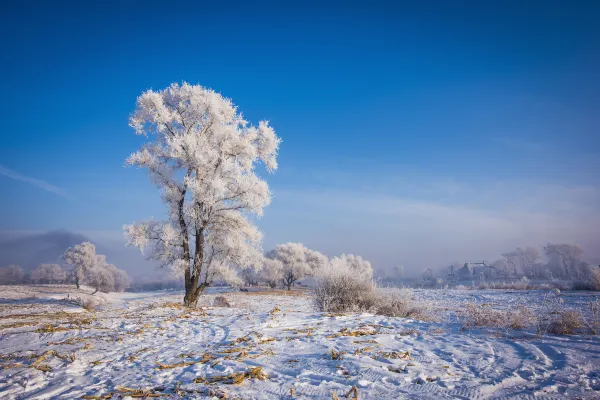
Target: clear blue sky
(402, 124)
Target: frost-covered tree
(122, 280)
(271, 272)
(11, 275)
(529, 256)
(512, 259)
(48, 273)
(81, 257)
(567, 257)
(101, 276)
(202, 158)
(501, 267)
(399, 271)
(297, 262)
(92, 269)
(250, 276)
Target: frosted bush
(340, 292)
(396, 302)
(347, 285)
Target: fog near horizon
(390, 229)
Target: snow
(121, 343)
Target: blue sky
(412, 134)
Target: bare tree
(567, 256)
(11, 275)
(528, 257)
(511, 258)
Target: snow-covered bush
(395, 302)
(203, 159)
(592, 282)
(346, 284)
(481, 315)
(485, 316)
(341, 290)
(592, 320)
(293, 261)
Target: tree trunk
(193, 287)
(76, 281)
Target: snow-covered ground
(143, 343)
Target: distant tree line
(556, 261)
(81, 266)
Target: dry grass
(565, 322)
(336, 355)
(235, 378)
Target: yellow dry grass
(336, 355)
(402, 355)
(205, 358)
(363, 350)
(138, 393)
(235, 378)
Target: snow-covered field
(139, 344)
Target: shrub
(520, 317)
(565, 322)
(221, 301)
(593, 283)
(346, 290)
(592, 320)
(340, 292)
(481, 315)
(89, 305)
(396, 303)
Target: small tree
(122, 280)
(93, 269)
(511, 258)
(297, 262)
(203, 161)
(271, 272)
(101, 276)
(83, 258)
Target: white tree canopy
(295, 262)
(83, 258)
(202, 158)
(92, 269)
(48, 273)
